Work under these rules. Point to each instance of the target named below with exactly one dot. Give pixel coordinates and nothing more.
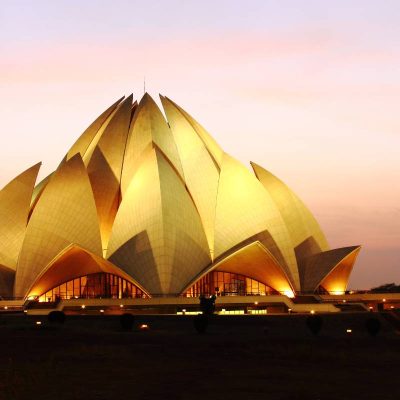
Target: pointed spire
(148, 129)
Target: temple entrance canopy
(255, 265)
(75, 263)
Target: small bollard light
(5, 307)
(256, 302)
(392, 307)
(121, 305)
(289, 310)
(101, 311)
(349, 331)
(144, 327)
(312, 312)
(383, 300)
(83, 306)
(38, 322)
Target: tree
(386, 288)
(207, 304)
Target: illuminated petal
(245, 209)
(65, 214)
(15, 200)
(157, 237)
(330, 269)
(82, 144)
(300, 223)
(256, 262)
(72, 263)
(148, 129)
(212, 146)
(105, 167)
(200, 169)
(7, 276)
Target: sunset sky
(310, 90)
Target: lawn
(240, 357)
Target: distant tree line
(386, 288)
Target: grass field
(240, 357)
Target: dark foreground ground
(240, 357)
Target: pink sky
(309, 92)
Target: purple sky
(308, 89)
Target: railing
(218, 294)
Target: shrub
(56, 317)
(314, 323)
(127, 320)
(200, 323)
(207, 304)
(373, 326)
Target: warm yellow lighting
(184, 310)
(144, 327)
(158, 179)
(256, 302)
(38, 322)
(6, 308)
(312, 312)
(383, 300)
(257, 312)
(189, 313)
(25, 311)
(349, 330)
(391, 306)
(83, 306)
(101, 311)
(121, 305)
(344, 301)
(232, 312)
(288, 293)
(337, 292)
(371, 308)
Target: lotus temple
(145, 207)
